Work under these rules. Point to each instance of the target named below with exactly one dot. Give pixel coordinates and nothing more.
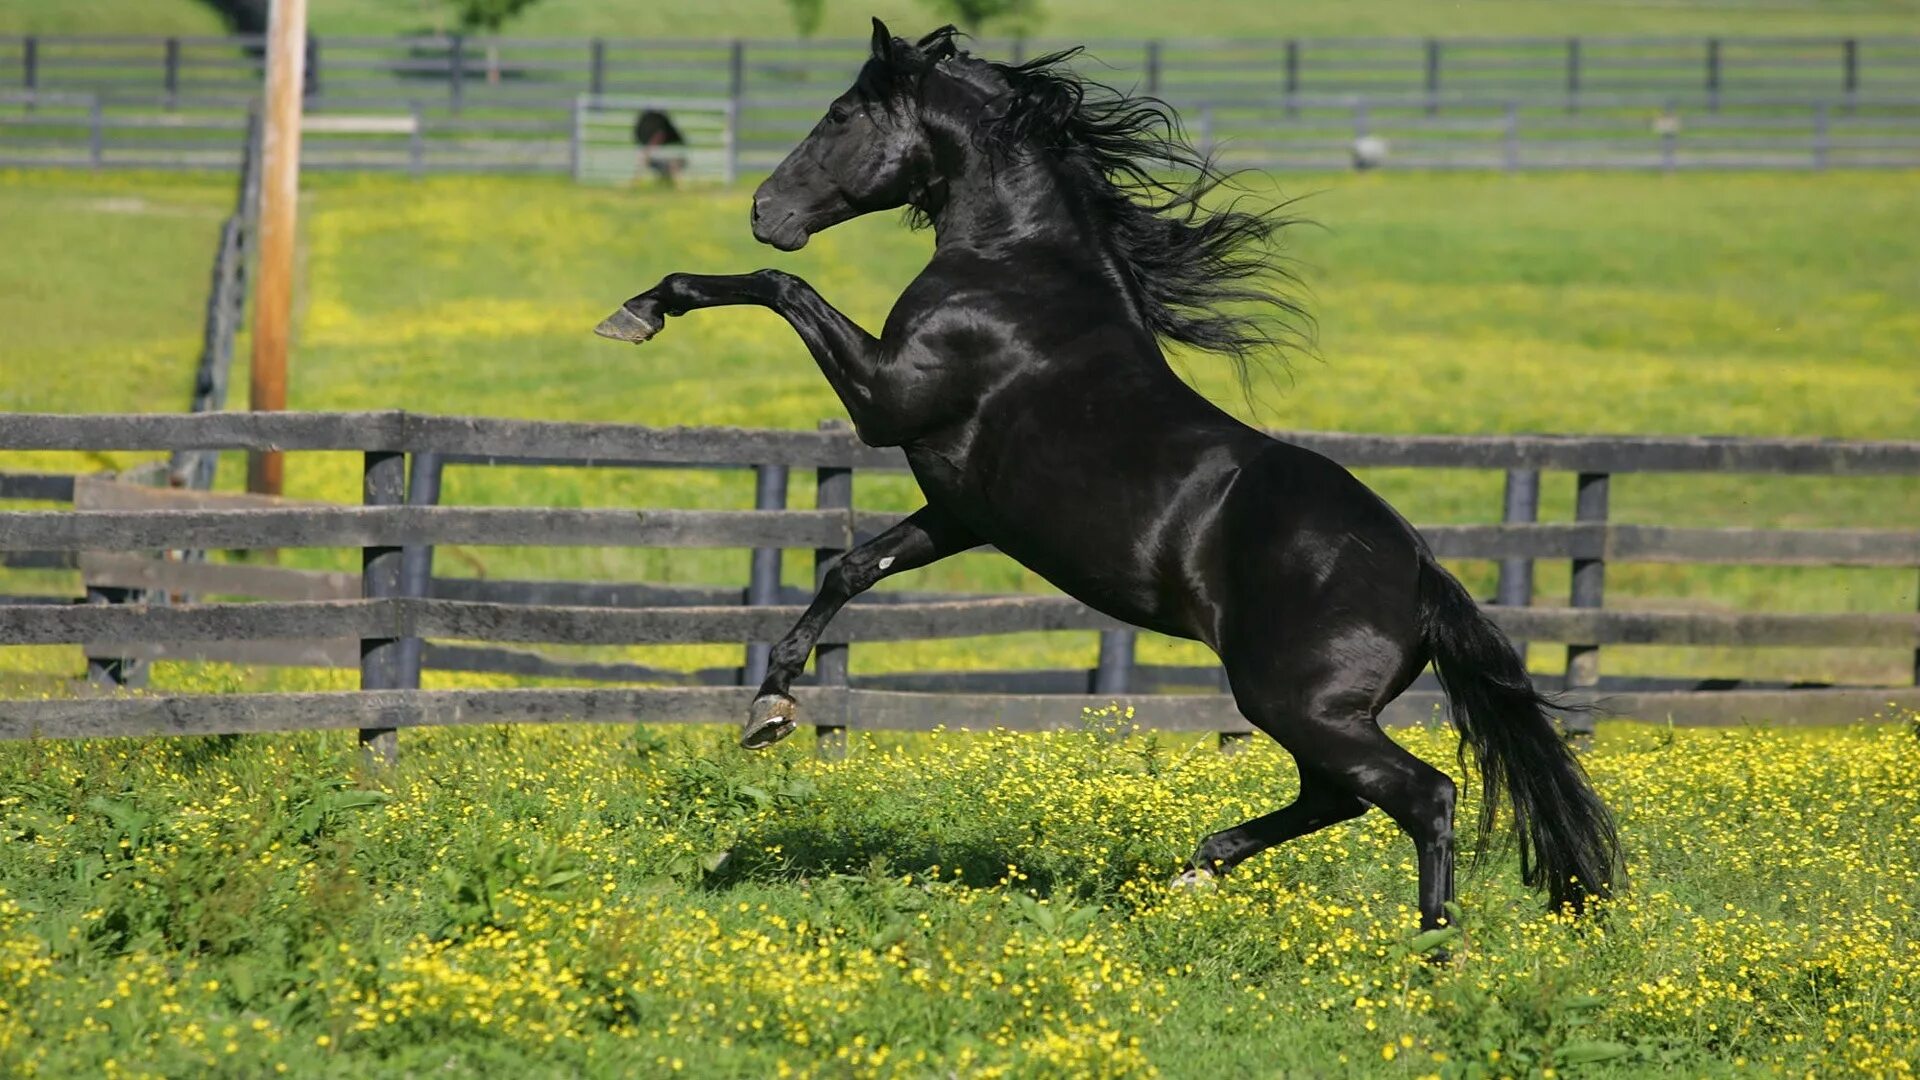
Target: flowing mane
(1210, 278)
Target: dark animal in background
(1022, 373)
(659, 140)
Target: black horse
(1022, 374)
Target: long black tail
(1567, 838)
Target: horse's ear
(882, 41)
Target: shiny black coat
(1022, 374)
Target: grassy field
(1070, 18)
(1757, 305)
(565, 902)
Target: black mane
(1208, 278)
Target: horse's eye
(838, 114)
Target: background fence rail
(394, 617)
(429, 104)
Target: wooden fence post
(1573, 74)
(763, 577)
(736, 71)
(1153, 67)
(96, 133)
(833, 489)
(1713, 74)
(1589, 586)
(1850, 69)
(1114, 671)
(416, 561)
(383, 483)
(310, 74)
(1510, 139)
(456, 70)
(30, 62)
(1433, 76)
(171, 67)
(1516, 574)
(1292, 64)
(417, 143)
(597, 67)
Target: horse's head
(870, 152)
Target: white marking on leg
(886, 561)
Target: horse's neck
(1009, 211)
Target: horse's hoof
(772, 718)
(627, 325)
(1195, 878)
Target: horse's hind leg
(1321, 802)
(1327, 721)
(1332, 733)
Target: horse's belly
(1096, 542)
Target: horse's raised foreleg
(926, 536)
(847, 354)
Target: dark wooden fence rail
(475, 72)
(508, 104)
(396, 617)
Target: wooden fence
(462, 72)
(448, 104)
(394, 617)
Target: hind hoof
(771, 718)
(1195, 878)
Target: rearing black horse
(1022, 374)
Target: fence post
(96, 133)
(1670, 138)
(1293, 76)
(1850, 70)
(1113, 674)
(1153, 67)
(833, 490)
(736, 71)
(1510, 140)
(1433, 76)
(416, 561)
(383, 483)
(732, 172)
(1713, 74)
(1573, 74)
(311, 73)
(1522, 507)
(1589, 587)
(1821, 138)
(30, 63)
(597, 67)
(172, 77)
(417, 142)
(456, 70)
(763, 576)
(576, 140)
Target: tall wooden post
(280, 194)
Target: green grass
(550, 902)
(1061, 18)
(1745, 305)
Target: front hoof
(1195, 878)
(772, 718)
(625, 324)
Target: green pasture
(1060, 18)
(1714, 304)
(584, 902)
